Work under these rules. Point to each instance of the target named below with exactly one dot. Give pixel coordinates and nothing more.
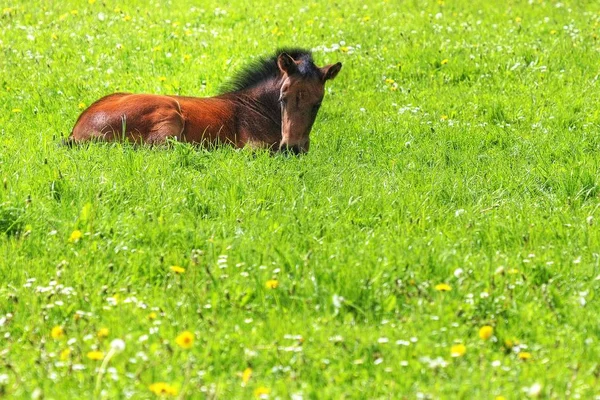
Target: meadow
(439, 240)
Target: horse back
(149, 118)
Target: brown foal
(271, 104)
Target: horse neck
(259, 113)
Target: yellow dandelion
(443, 287)
(17, 110)
(444, 61)
(95, 355)
(366, 18)
(262, 392)
(102, 333)
(64, 355)
(152, 316)
(524, 356)
(186, 57)
(57, 332)
(74, 12)
(272, 284)
(443, 117)
(127, 18)
(458, 350)
(54, 36)
(344, 49)
(246, 376)
(389, 81)
(91, 1)
(518, 20)
(512, 271)
(185, 340)
(499, 398)
(486, 332)
(275, 30)
(76, 235)
(553, 32)
(163, 389)
(81, 105)
(162, 78)
(177, 269)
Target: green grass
(458, 137)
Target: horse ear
(331, 71)
(286, 63)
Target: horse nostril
(295, 149)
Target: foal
(272, 104)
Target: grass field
(452, 185)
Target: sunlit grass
(439, 240)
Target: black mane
(266, 68)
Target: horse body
(256, 112)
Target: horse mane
(265, 68)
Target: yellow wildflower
(458, 350)
(366, 18)
(162, 78)
(81, 105)
(246, 376)
(177, 269)
(152, 315)
(76, 235)
(553, 32)
(127, 18)
(443, 117)
(186, 57)
(185, 340)
(444, 61)
(262, 392)
(74, 12)
(95, 355)
(272, 284)
(389, 81)
(57, 332)
(344, 49)
(499, 398)
(524, 356)
(16, 110)
(443, 287)
(64, 355)
(91, 1)
(486, 332)
(163, 389)
(102, 333)
(518, 20)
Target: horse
(272, 104)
